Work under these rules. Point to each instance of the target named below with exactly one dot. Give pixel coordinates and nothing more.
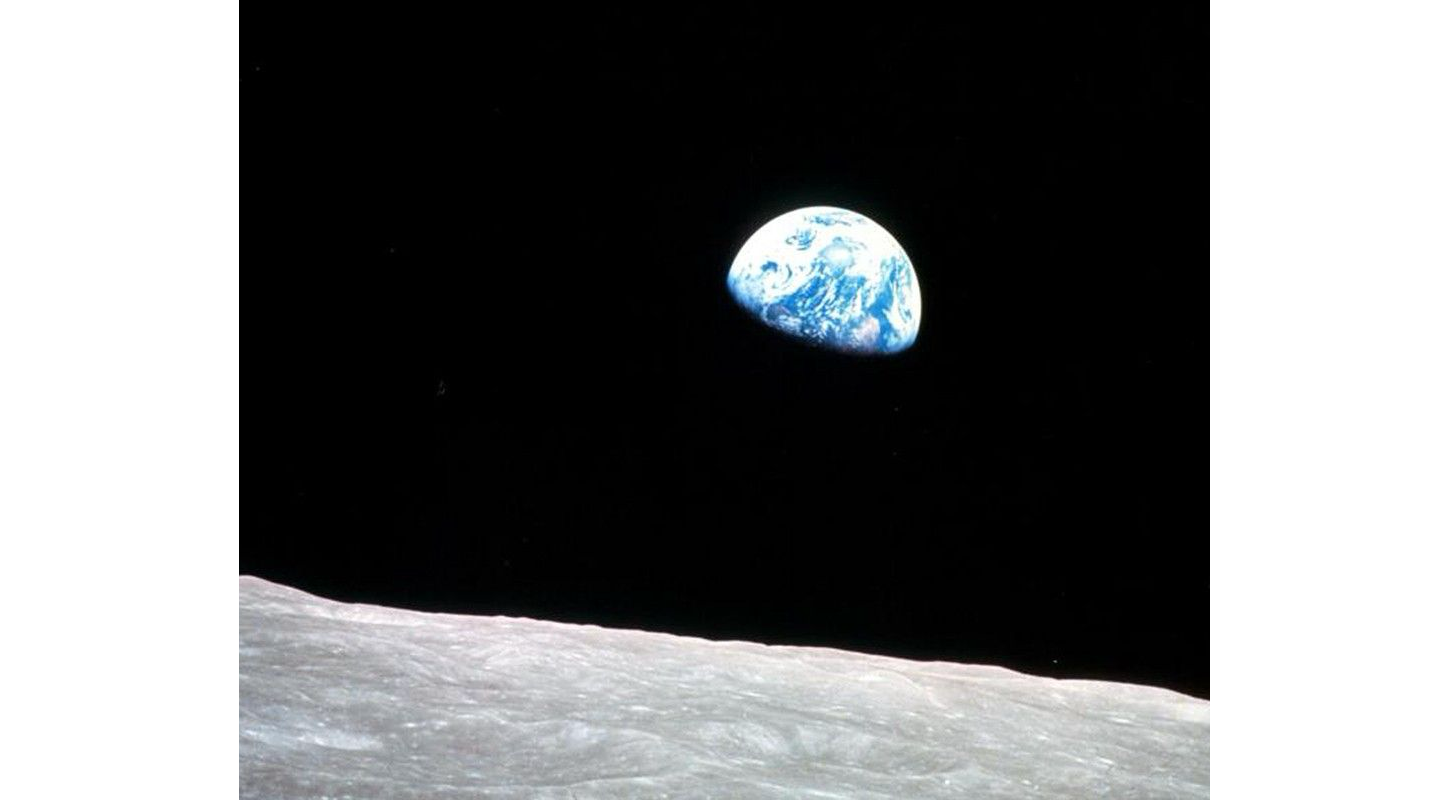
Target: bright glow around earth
(831, 277)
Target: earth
(831, 277)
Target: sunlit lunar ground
(358, 701)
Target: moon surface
(342, 700)
(831, 277)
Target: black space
(492, 365)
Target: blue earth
(831, 277)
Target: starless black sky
(492, 366)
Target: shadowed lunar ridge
(359, 701)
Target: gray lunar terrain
(353, 701)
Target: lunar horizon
(344, 700)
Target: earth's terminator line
(831, 277)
